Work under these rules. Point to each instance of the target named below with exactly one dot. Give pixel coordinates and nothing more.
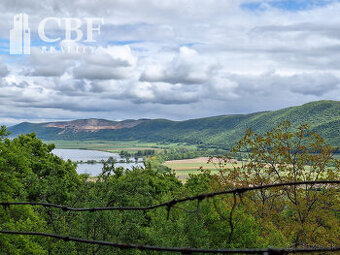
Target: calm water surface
(85, 155)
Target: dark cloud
(3, 69)
(313, 84)
(316, 84)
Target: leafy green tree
(288, 154)
(30, 172)
(290, 216)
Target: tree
(290, 216)
(305, 213)
(30, 172)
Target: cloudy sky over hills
(172, 59)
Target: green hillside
(219, 131)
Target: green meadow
(114, 146)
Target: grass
(185, 167)
(182, 167)
(114, 146)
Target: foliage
(305, 215)
(30, 172)
(302, 216)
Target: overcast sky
(175, 59)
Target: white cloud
(176, 59)
(113, 62)
(187, 67)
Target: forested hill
(219, 131)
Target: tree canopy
(294, 216)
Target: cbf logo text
(72, 30)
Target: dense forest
(212, 132)
(288, 216)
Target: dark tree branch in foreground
(175, 249)
(170, 204)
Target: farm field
(194, 166)
(185, 167)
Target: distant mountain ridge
(218, 131)
(92, 125)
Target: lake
(85, 155)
